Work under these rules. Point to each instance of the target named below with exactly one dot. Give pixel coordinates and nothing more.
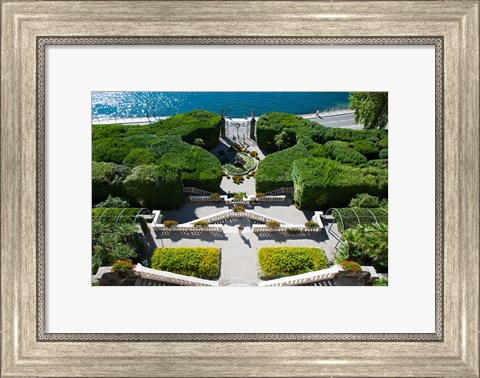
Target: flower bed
(170, 223)
(228, 161)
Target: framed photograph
(240, 189)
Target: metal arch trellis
(340, 215)
(139, 213)
(373, 215)
(119, 215)
(358, 218)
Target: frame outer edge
(12, 157)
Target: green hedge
(278, 262)
(321, 183)
(155, 186)
(366, 148)
(107, 179)
(273, 123)
(339, 151)
(110, 150)
(190, 126)
(139, 156)
(198, 167)
(110, 214)
(346, 218)
(200, 262)
(350, 135)
(275, 171)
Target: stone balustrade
(171, 278)
(187, 227)
(280, 191)
(192, 189)
(304, 279)
(260, 228)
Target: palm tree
(125, 231)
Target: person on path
(240, 229)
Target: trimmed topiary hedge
(155, 186)
(321, 183)
(192, 125)
(275, 171)
(366, 148)
(107, 179)
(200, 262)
(276, 262)
(139, 156)
(198, 167)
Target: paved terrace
(239, 252)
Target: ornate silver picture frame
(27, 28)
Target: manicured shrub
(215, 196)
(139, 156)
(322, 183)
(366, 148)
(239, 195)
(364, 200)
(122, 265)
(311, 224)
(350, 135)
(116, 202)
(191, 126)
(271, 125)
(349, 217)
(272, 224)
(155, 187)
(110, 150)
(275, 171)
(288, 261)
(111, 213)
(108, 131)
(238, 209)
(200, 262)
(378, 163)
(383, 143)
(201, 224)
(169, 223)
(341, 152)
(107, 179)
(198, 167)
(383, 153)
(259, 195)
(351, 266)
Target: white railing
(260, 228)
(312, 277)
(303, 279)
(192, 189)
(279, 191)
(207, 199)
(227, 214)
(267, 198)
(173, 278)
(190, 228)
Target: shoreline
(145, 121)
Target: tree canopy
(371, 109)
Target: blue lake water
(234, 104)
